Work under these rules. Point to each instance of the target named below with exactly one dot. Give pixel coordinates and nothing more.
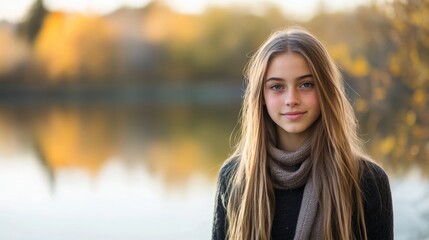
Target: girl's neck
(290, 142)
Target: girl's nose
(292, 97)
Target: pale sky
(14, 10)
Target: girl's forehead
(288, 61)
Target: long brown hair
(336, 150)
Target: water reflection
(110, 172)
(73, 139)
(134, 172)
(174, 142)
(411, 206)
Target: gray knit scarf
(291, 170)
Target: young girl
(299, 171)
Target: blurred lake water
(133, 172)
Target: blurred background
(115, 116)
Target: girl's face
(290, 96)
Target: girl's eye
(276, 87)
(307, 85)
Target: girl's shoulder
(377, 201)
(227, 170)
(224, 179)
(375, 185)
(373, 173)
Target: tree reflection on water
(171, 142)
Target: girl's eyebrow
(304, 76)
(297, 79)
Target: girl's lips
(293, 115)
